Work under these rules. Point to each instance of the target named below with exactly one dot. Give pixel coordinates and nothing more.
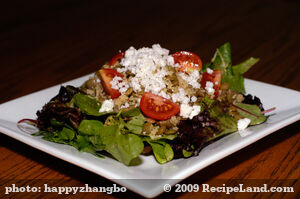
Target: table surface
(44, 43)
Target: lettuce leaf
(86, 103)
(243, 67)
(256, 116)
(231, 74)
(162, 151)
(222, 57)
(125, 148)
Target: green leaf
(187, 154)
(244, 66)
(90, 127)
(236, 82)
(206, 102)
(222, 57)
(63, 136)
(136, 124)
(163, 152)
(231, 74)
(254, 110)
(131, 113)
(83, 143)
(66, 134)
(166, 137)
(97, 142)
(124, 148)
(227, 123)
(228, 126)
(87, 104)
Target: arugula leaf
(63, 136)
(90, 127)
(96, 142)
(187, 154)
(124, 148)
(236, 81)
(222, 57)
(235, 78)
(254, 109)
(66, 134)
(231, 74)
(206, 102)
(131, 113)
(136, 124)
(166, 137)
(87, 104)
(82, 143)
(163, 152)
(228, 125)
(243, 67)
(136, 121)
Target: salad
(149, 102)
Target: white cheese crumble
(187, 111)
(126, 105)
(118, 84)
(148, 66)
(164, 94)
(209, 87)
(196, 110)
(194, 99)
(243, 123)
(209, 71)
(191, 78)
(107, 106)
(180, 97)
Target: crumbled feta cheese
(209, 87)
(196, 110)
(191, 78)
(243, 123)
(187, 111)
(148, 65)
(118, 84)
(126, 105)
(180, 97)
(194, 99)
(107, 106)
(163, 94)
(209, 71)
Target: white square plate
(286, 101)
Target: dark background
(44, 43)
(40, 39)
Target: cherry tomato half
(116, 58)
(106, 76)
(157, 107)
(215, 78)
(187, 60)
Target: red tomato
(215, 78)
(187, 60)
(157, 107)
(116, 58)
(106, 76)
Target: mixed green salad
(149, 102)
